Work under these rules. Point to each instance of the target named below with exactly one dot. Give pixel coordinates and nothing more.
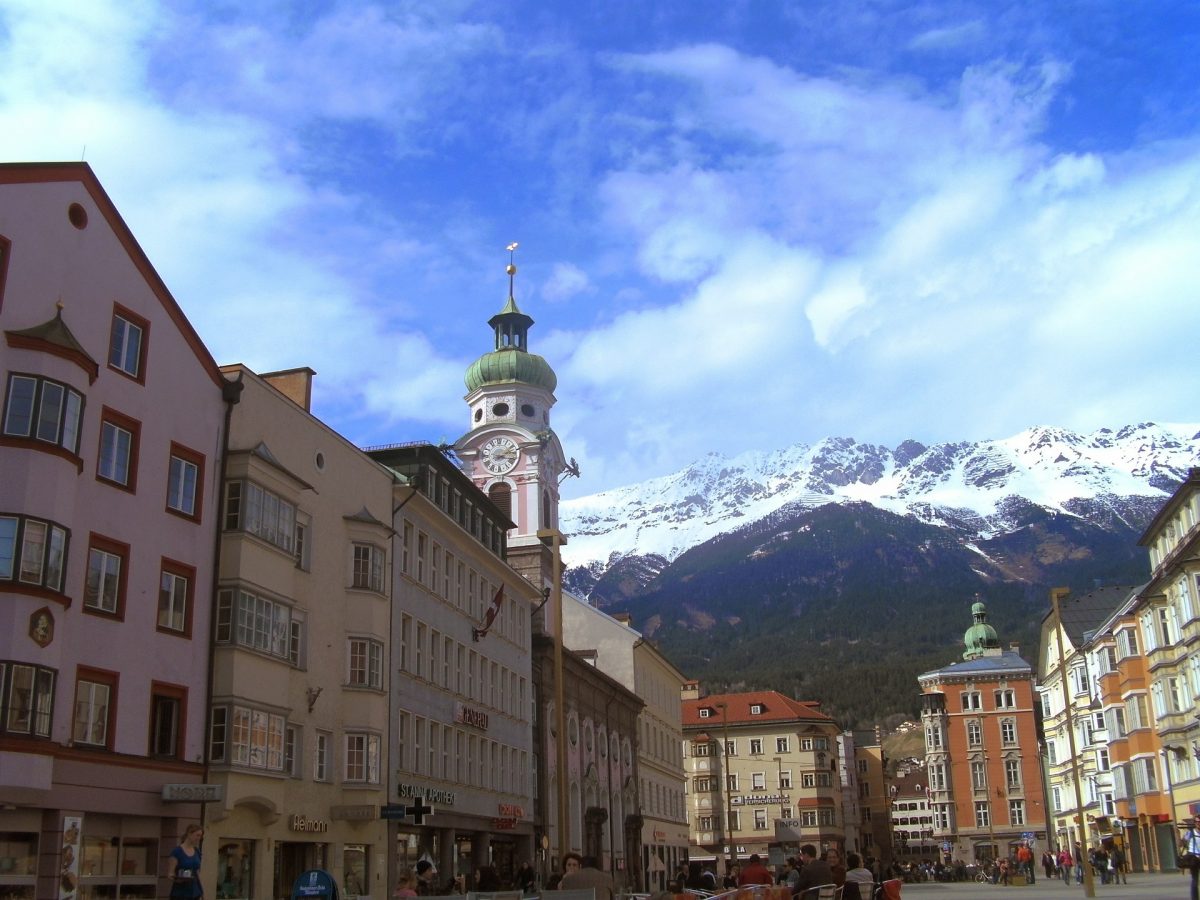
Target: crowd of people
(855, 875)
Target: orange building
(982, 749)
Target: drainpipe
(231, 393)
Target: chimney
(624, 618)
(1015, 648)
(295, 384)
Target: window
(983, 815)
(32, 552)
(1046, 705)
(933, 737)
(808, 818)
(1115, 718)
(362, 758)
(127, 343)
(704, 785)
(1008, 731)
(1127, 643)
(42, 410)
(26, 699)
(175, 585)
(760, 820)
(731, 747)
(1016, 812)
(251, 738)
(321, 757)
(117, 459)
(937, 777)
(781, 745)
(1051, 753)
(292, 746)
(974, 733)
(95, 697)
(259, 623)
(368, 567)
(705, 823)
(1168, 630)
(705, 713)
(785, 782)
(1102, 759)
(185, 475)
(1012, 773)
(731, 781)
(260, 512)
(756, 709)
(758, 781)
(700, 749)
(971, 700)
(756, 747)
(808, 779)
(166, 720)
(1005, 699)
(978, 776)
(366, 663)
(104, 585)
(824, 779)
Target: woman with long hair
(185, 883)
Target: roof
(776, 708)
(1083, 614)
(914, 784)
(81, 172)
(1169, 508)
(1007, 662)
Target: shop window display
(18, 864)
(235, 870)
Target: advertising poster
(68, 876)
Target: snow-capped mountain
(970, 487)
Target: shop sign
(511, 811)
(303, 823)
(465, 715)
(660, 835)
(504, 824)
(759, 799)
(428, 794)
(788, 830)
(359, 813)
(193, 793)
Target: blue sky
(742, 224)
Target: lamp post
(554, 538)
(1089, 882)
(779, 767)
(724, 707)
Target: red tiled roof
(776, 708)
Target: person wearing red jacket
(755, 872)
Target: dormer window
(756, 709)
(705, 712)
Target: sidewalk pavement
(1160, 887)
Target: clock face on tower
(500, 455)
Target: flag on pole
(493, 611)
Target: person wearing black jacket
(813, 872)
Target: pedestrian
(1189, 852)
(1120, 864)
(814, 872)
(833, 857)
(755, 873)
(406, 886)
(1064, 864)
(582, 872)
(185, 878)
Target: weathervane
(512, 267)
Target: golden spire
(511, 269)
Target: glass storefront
(117, 858)
(355, 871)
(235, 870)
(18, 864)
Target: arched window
(500, 493)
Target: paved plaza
(1140, 886)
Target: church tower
(511, 452)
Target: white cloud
(566, 280)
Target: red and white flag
(493, 611)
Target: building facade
(983, 748)
(110, 439)
(461, 764)
(762, 772)
(299, 713)
(626, 656)
(872, 790)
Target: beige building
(870, 765)
(762, 773)
(625, 655)
(299, 712)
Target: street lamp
(779, 766)
(724, 707)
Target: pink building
(110, 437)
